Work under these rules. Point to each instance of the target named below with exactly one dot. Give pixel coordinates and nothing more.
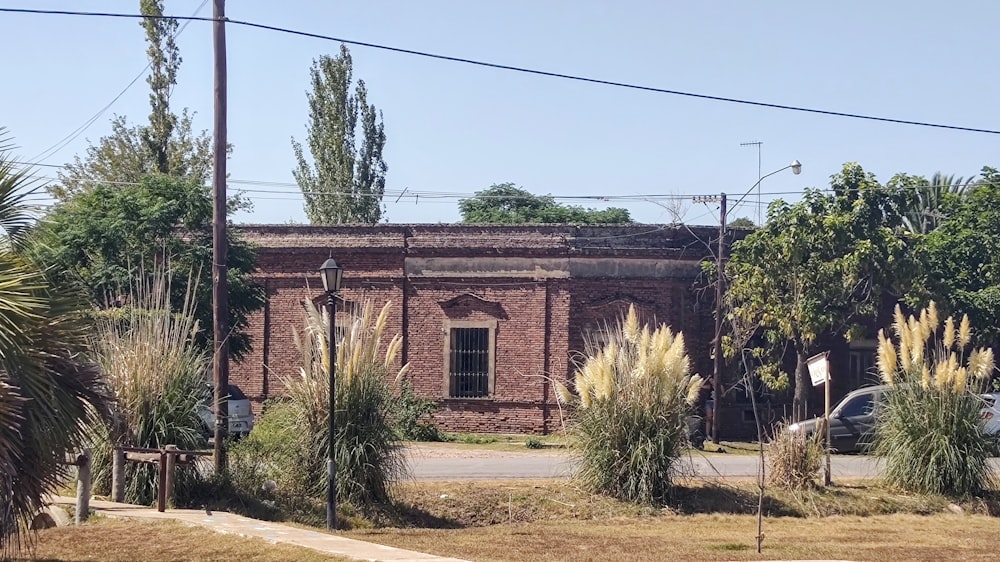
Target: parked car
(853, 418)
(991, 412)
(240, 412)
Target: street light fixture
(796, 167)
(332, 274)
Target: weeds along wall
(526, 297)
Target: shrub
(533, 443)
(274, 451)
(412, 415)
(633, 398)
(794, 458)
(367, 451)
(156, 373)
(928, 432)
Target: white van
(240, 412)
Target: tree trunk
(800, 403)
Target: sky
(455, 129)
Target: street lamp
(796, 167)
(332, 274)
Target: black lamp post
(333, 274)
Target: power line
(62, 143)
(406, 193)
(526, 70)
(451, 194)
(434, 196)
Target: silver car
(852, 420)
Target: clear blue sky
(457, 128)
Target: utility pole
(220, 289)
(720, 265)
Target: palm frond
(17, 187)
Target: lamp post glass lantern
(332, 274)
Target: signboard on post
(819, 373)
(819, 368)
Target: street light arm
(762, 178)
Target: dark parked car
(851, 420)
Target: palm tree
(47, 389)
(924, 213)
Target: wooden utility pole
(720, 265)
(220, 289)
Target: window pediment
(468, 303)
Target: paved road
(434, 463)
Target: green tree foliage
(345, 182)
(167, 145)
(164, 60)
(46, 389)
(925, 211)
(819, 266)
(107, 236)
(742, 223)
(961, 266)
(505, 203)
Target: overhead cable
(526, 70)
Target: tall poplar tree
(346, 180)
(167, 145)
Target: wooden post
(171, 465)
(220, 289)
(118, 475)
(717, 363)
(161, 483)
(827, 475)
(82, 487)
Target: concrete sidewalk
(223, 522)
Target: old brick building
(489, 314)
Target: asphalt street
(435, 465)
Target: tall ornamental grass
(794, 458)
(368, 454)
(157, 375)
(928, 433)
(633, 397)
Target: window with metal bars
(469, 370)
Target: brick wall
(542, 287)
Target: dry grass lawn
(554, 520)
(712, 537)
(118, 540)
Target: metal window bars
(470, 363)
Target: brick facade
(542, 290)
